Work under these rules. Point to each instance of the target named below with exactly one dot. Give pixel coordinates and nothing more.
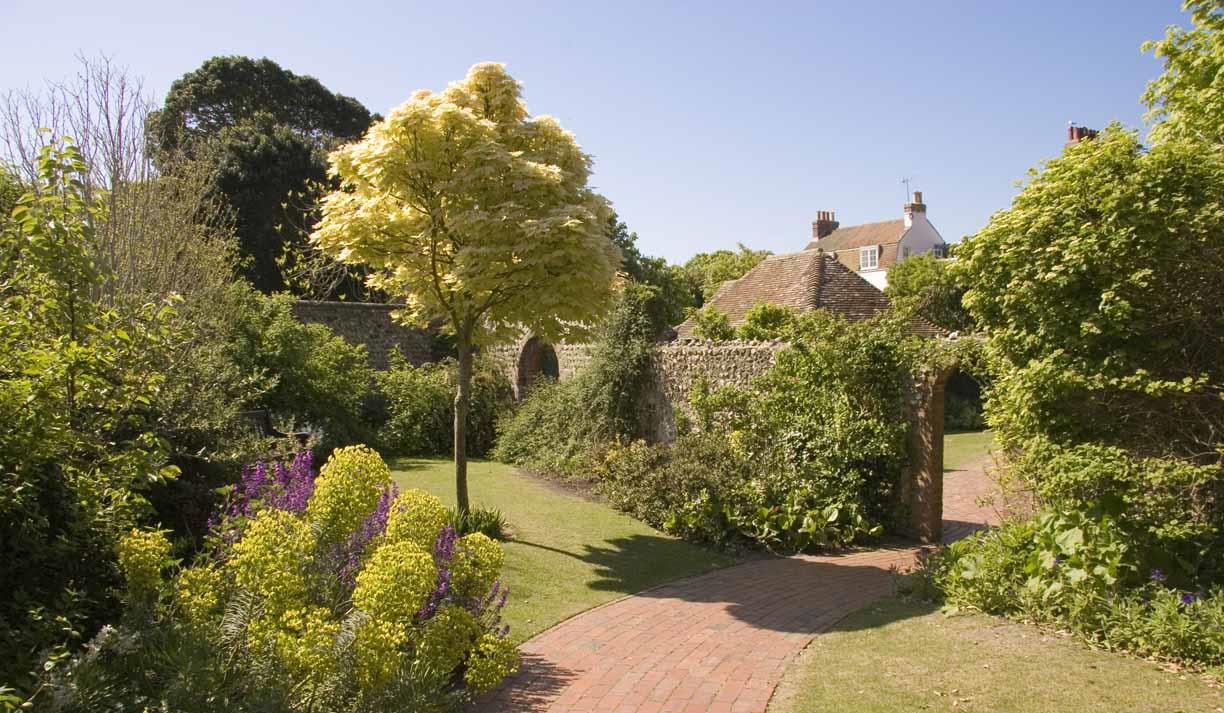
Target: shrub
(766, 321)
(808, 455)
(79, 448)
(705, 487)
(560, 427)
(1076, 569)
(548, 432)
(320, 381)
(420, 407)
(709, 323)
(284, 620)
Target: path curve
(718, 642)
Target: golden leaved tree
(477, 215)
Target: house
(806, 280)
(871, 249)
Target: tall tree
(272, 129)
(931, 287)
(677, 290)
(1187, 99)
(1100, 295)
(712, 269)
(477, 215)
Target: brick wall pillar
(921, 497)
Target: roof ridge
(818, 287)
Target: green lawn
(896, 656)
(961, 449)
(568, 554)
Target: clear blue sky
(711, 123)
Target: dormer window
(869, 257)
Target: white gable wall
(922, 237)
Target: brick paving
(718, 642)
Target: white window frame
(869, 257)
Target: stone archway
(537, 359)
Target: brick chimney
(916, 206)
(1076, 134)
(824, 224)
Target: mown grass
(966, 447)
(898, 656)
(567, 554)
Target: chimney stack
(1076, 134)
(824, 224)
(916, 206)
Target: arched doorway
(536, 360)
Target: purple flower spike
(444, 546)
(1158, 575)
(1189, 599)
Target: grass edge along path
(568, 554)
(894, 656)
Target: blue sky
(710, 123)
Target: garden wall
(369, 324)
(676, 367)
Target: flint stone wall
(369, 324)
(677, 366)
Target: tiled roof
(805, 280)
(858, 236)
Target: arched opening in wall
(963, 404)
(538, 360)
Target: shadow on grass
(627, 565)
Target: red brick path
(717, 642)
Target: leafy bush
(420, 407)
(704, 488)
(78, 447)
(320, 381)
(363, 600)
(809, 455)
(1107, 379)
(765, 321)
(833, 407)
(560, 427)
(1077, 569)
(709, 323)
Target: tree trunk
(463, 398)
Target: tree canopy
(677, 290)
(478, 216)
(712, 269)
(931, 287)
(1100, 291)
(226, 92)
(270, 130)
(1187, 99)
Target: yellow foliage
(347, 490)
(474, 213)
(494, 659)
(477, 561)
(415, 516)
(270, 559)
(142, 556)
